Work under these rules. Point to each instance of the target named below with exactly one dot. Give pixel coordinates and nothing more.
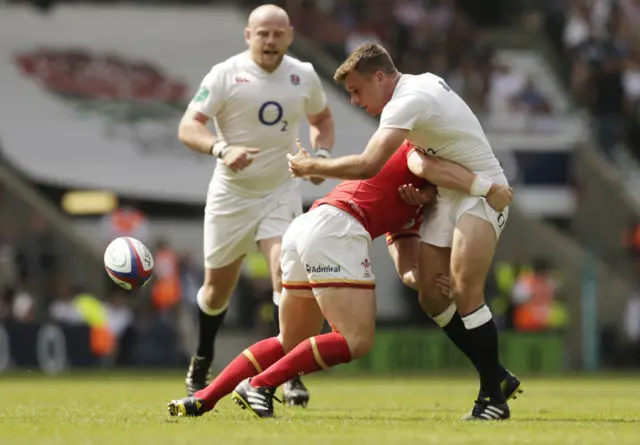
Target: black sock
(208, 328)
(459, 335)
(483, 345)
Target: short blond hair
(366, 60)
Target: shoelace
(480, 405)
(272, 395)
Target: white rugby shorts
(233, 225)
(440, 222)
(326, 247)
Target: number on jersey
(271, 113)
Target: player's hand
(443, 284)
(238, 158)
(300, 163)
(417, 197)
(499, 197)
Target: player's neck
(396, 79)
(394, 83)
(265, 68)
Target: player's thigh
(473, 249)
(339, 269)
(434, 261)
(271, 249)
(229, 230)
(299, 314)
(300, 317)
(436, 234)
(439, 221)
(352, 312)
(280, 210)
(293, 270)
(284, 208)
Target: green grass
(130, 410)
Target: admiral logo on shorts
(321, 268)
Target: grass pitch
(131, 409)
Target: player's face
(368, 92)
(268, 42)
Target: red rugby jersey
(375, 202)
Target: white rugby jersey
(257, 109)
(439, 122)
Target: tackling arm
(448, 174)
(381, 146)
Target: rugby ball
(128, 262)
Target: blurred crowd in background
(596, 39)
(432, 35)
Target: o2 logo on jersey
(271, 113)
(427, 151)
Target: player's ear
(290, 35)
(247, 35)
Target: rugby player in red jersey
(327, 273)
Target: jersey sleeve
(411, 232)
(317, 100)
(404, 111)
(392, 237)
(211, 95)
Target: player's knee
(410, 279)
(286, 344)
(288, 336)
(360, 342)
(289, 341)
(276, 281)
(213, 297)
(467, 295)
(432, 301)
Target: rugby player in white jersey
(460, 235)
(256, 100)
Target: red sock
(252, 361)
(314, 354)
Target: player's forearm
(197, 137)
(448, 175)
(322, 134)
(345, 167)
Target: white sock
(477, 318)
(205, 308)
(445, 317)
(276, 298)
